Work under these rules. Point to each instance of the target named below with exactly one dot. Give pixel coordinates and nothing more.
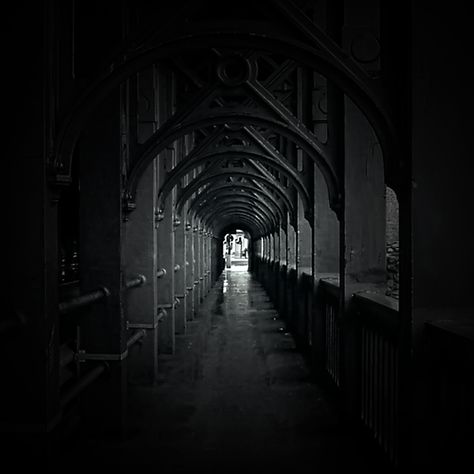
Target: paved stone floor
(235, 396)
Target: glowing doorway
(236, 251)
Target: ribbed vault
(252, 149)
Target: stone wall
(391, 238)
(392, 269)
(391, 215)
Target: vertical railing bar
(385, 372)
(392, 402)
(396, 406)
(331, 341)
(367, 376)
(333, 345)
(381, 388)
(339, 350)
(369, 384)
(371, 388)
(377, 387)
(362, 375)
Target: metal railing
(378, 324)
(332, 334)
(135, 282)
(68, 356)
(85, 299)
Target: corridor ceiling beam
(251, 201)
(325, 57)
(193, 187)
(210, 193)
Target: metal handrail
(82, 383)
(83, 300)
(139, 280)
(136, 337)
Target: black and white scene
(240, 236)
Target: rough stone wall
(392, 243)
(392, 269)
(391, 215)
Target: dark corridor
(332, 140)
(237, 394)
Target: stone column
(180, 278)
(283, 267)
(165, 232)
(304, 244)
(202, 264)
(205, 263)
(291, 237)
(326, 232)
(189, 240)
(166, 260)
(102, 328)
(436, 256)
(29, 325)
(208, 261)
(364, 207)
(196, 266)
(140, 258)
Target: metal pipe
(82, 383)
(83, 300)
(136, 337)
(139, 280)
(161, 314)
(161, 273)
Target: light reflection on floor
(238, 268)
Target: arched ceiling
(254, 147)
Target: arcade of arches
(159, 144)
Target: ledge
(452, 343)
(306, 271)
(330, 284)
(378, 311)
(452, 328)
(378, 300)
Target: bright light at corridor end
(235, 251)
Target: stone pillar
(102, 328)
(140, 258)
(166, 260)
(216, 258)
(304, 243)
(364, 209)
(29, 325)
(209, 261)
(196, 266)
(165, 232)
(180, 277)
(438, 249)
(363, 232)
(205, 262)
(189, 240)
(291, 275)
(291, 238)
(202, 264)
(283, 245)
(363, 222)
(267, 248)
(326, 232)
